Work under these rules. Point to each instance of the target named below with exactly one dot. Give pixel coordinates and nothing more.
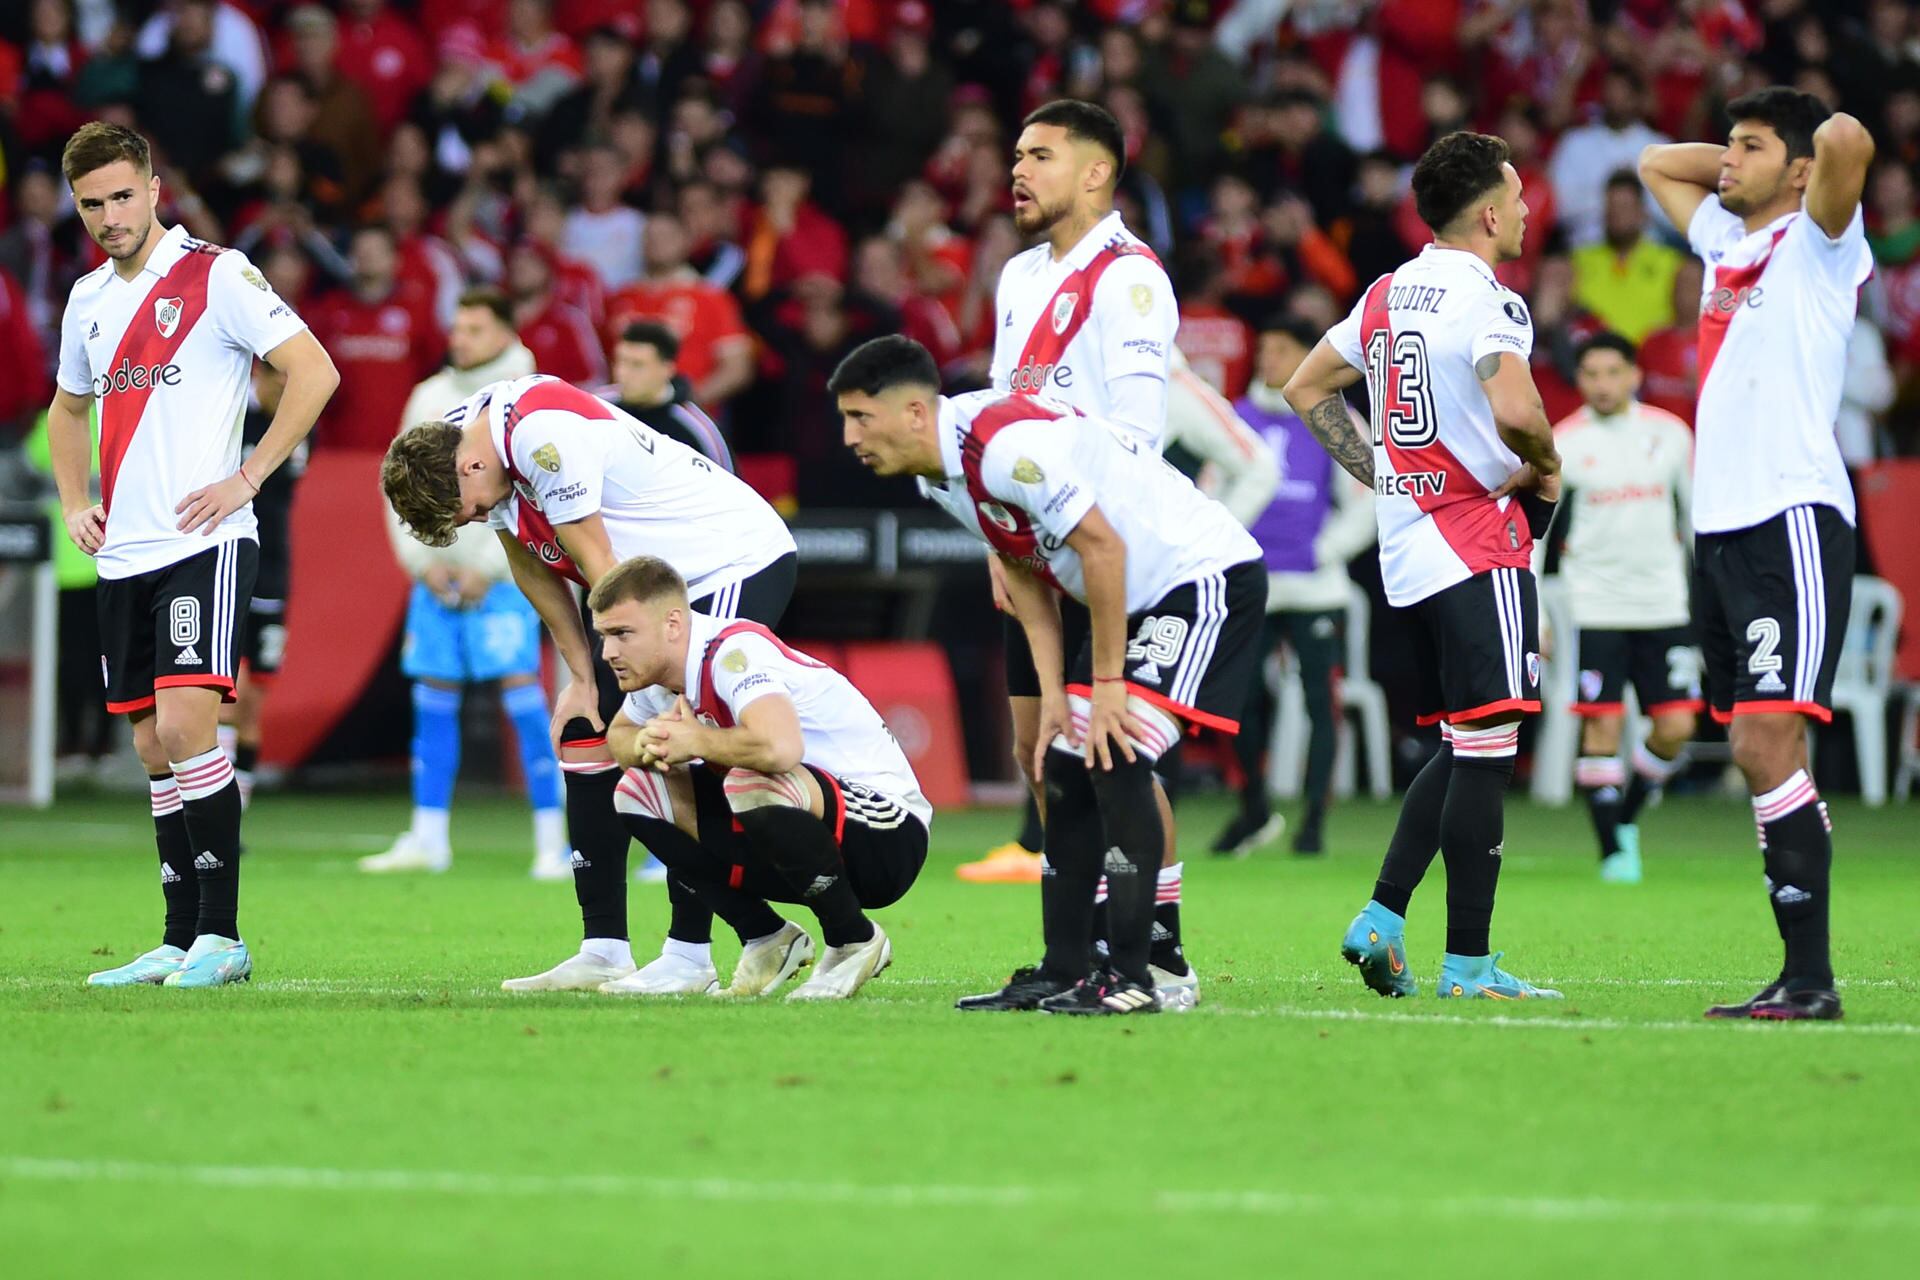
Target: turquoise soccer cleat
(153, 967)
(1482, 978)
(1376, 944)
(1623, 867)
(213, 961)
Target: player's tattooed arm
(1333, 426)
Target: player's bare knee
(183, 735)
(1600, 736)
(1766, 748)
(1672, 730)
(749, 790)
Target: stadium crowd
(778, 181)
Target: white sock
(701, 953)
(616, 951)
(430, 828)
(1167, 886)
(550, 834)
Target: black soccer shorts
(1195, 652)
(1661, 664)
(1478, 646)
(181, 624)
(1772, 604)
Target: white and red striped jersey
(1023, 471)
(168, 357)
(1074, 328)
(1437, 455)
(1776, 311)
(571, 455)
(1626, 477)
(731, 665)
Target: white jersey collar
(171, 247)
(1446, 253)
(1098, 237)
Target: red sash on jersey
(177, 301)
(710, 697)
(1058, 324)
(1731, 288)
(1478, 530)
(1015, 538)
(533, 528)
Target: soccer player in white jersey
(1080, 508)
(1775, 214)
(1458, 436)
(162, 338)
(1626, 471)
(757, 773)
(572, 485)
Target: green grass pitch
(373, 1105)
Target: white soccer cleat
(407, 854)
(844, 970)
(767, 963)
(582, 971)
(667, 975)
(556, 865)
(213, 961)
(1175, 992)
(153, 967)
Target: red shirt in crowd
(386, 57)
(1670, 371)
(383, 350)
(23, 364)
(703, 316)
(564, 344)
(1218, 345)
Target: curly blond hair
(419, 479)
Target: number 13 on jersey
(1400, 391)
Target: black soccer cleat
(1103, 994)
(1818, 1004)
(1745, 1008)
(1248, 831)
(1023, 992)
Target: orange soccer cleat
(1010, 863)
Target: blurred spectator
(804, 99)
(43, 256)
(667, 59)
(188, 100)
(817, 331)
(24, 381)
(384, 340)
(460, 106)
(386, 56)
(712, 236)
(575, 283)
(1589, 155)
(1217, 343)
(601, 230)
(1670, 358)
(311, 170)
(1866, 392)
(647, 384)
(1200, 87)
(906, 96)
(790, 236)
(1233, 232)
(111, 74)
(1305, 251)
(428, 265)
(1517, 125)
(716, 352)
(1893, 229)
(290, 272)
(539, 64)
(584, 115)
(343, 117)
(936, 258)
(230, 39)
(1558, 328)
(53, 60)
(727, 53)
(994, 243)
(1626, 281)
(1303, 156)
(880, 275)
(560, 336)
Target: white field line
(1249, 1202)
(1404, 1015)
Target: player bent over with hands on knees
(1176, 591)
(756, 774)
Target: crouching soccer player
(757, 775)
(1075, 507)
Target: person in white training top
(1238, 467)
(1626, 475)
(1459, 436)
(572, 486)
(757, 773)
(1081, 509)
(161, 338)
(1775, 214)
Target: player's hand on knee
(578, 701)
(1056, 720)
(1109, 722)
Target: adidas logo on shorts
(187, 657)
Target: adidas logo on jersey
(93, 330)
(207, 862)
(1769, 683)
(168, 875)
(187, 657)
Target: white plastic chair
(1909, 766)
(1863, 680)
(1360, 695)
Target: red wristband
(1109, 679)
(249, 480)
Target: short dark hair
(1085, 122)
(1299, 328)
(1454, 172)
(1624, 178)
(97, 144)
(492, 299)
(881, 364)
(653, 334)
(1606, 340)
(1788, 112)
(643, 579)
